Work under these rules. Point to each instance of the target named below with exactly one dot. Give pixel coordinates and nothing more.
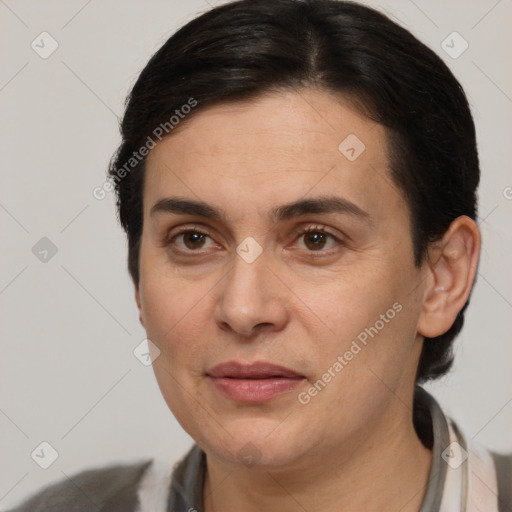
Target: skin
(353, 446)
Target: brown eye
(193, 240)
(315, 240)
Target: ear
(452, 264)
(139, 306)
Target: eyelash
(299, 232)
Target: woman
(297, 181)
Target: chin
(252, 446)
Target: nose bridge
(249, 296)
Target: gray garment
(504, 470)
(114, 488)
(439, 440)
(110, 489)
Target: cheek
(351, 299)
(174, 315)
(365, 353)
(367, 315)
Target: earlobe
(453, 261)
(139, 306)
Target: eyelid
(318, 228)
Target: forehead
(272, 150)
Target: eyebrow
(302, 207)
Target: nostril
(262, 325)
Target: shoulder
(111, 488)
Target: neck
(384, 468)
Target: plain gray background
(69, 324)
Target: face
(265, 240)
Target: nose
(251, 300)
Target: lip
(254, 382)
(255, 370)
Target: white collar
(471, 483)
